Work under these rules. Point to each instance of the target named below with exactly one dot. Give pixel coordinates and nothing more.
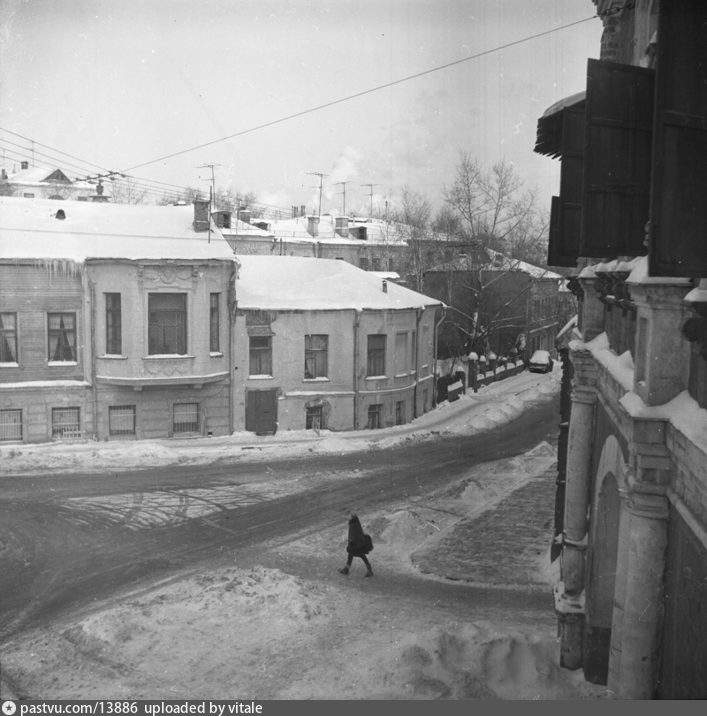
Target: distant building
(496, 305)
(44, 183)
(322, 344)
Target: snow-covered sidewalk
(493, 405)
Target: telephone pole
(321, 181)
(370, 186)
(343, 183)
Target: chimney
(24, 165)
(201, 214)
(384, 286)
(313, 225)
(303, 210)
(342, 226)
(244, 215)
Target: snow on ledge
(682, 412)
(619, 367)
(639, 275)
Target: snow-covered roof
(296, 283)
(377, 231)
(496, 262)
(37, 175)
(30, 229)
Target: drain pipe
(443, 313)
(415, 391)
(356, 326)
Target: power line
(341, 100)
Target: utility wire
(348, 98)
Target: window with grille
(400, 412)
(316, 356)
(66, 422)
(363, 263)
(61, 328)
(376, 355)
(185, 418)
(8, 338)
(114, 341)
(375, 416)
(11, 424)
(121, 419)
(260, 355)
(314, 420)
(214, 320)
(167, 324)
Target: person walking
(359, 545)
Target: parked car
(540, 362)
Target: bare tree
(412, 224)
(126, 191)
(493, 210)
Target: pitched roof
(39, 175)
(30, 229)
(296, 283)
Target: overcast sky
(123, 83)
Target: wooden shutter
(678, 245)
(617, 165)
(569, 206)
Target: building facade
(115, 322)
(322, 344)
(632, 489)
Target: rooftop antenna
(370, 186)
(343, 183)
(213, 181)
(321, 180)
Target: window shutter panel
(678, 243)
(617, 166)
(557, 253)
(569, 210)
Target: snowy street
(460, 605)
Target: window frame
(314, 357)
(70, 334)
(58, 431)
(13, 333)
(114, 321)
(5, 412)
(179, 324)
(215, 323)
(376, 355)
(256, 353)
(131, 410)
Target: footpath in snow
(493, 405)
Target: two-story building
(320, 343)
(631, 217)
(115, 321)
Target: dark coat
(359, 543)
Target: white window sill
(9, 365)
(171, 356)
(61, 363)
(215, 354)
(320, 379)
(376, 377)
(260, 377)
(113, 356)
